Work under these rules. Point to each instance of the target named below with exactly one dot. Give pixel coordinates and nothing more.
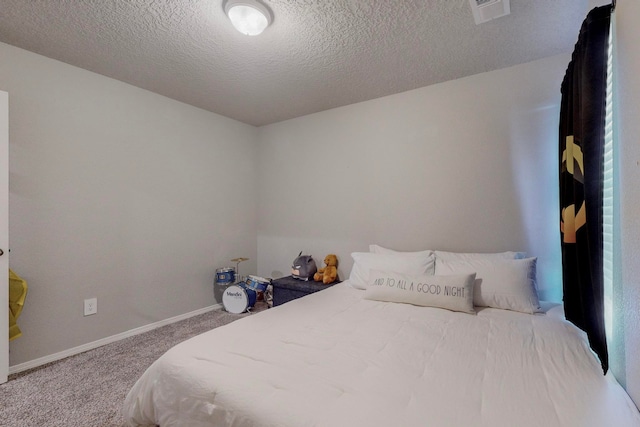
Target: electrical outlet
(90, 306)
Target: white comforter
(334, 359)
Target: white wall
(468, 165)
(120, 194)
(628, 95)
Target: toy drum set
(240, 296)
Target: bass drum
(238, 298)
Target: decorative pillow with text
(454, 292)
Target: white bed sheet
(335, 359)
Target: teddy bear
(328, 274)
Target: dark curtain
(582, 120)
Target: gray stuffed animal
(304, 267)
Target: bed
(341, 357)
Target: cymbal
(239, 259)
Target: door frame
(4, 236)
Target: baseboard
(108, 340)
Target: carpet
(88, 389)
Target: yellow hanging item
(17, 295)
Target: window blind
(607, 196)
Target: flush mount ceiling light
(250, 17)
(486, 10)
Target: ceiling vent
(486, 10)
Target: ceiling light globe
(247, 16)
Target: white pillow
(469, 256)
(376, 249)
(509, 284)
(365, 261)
(453, 293)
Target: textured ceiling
(316, 55)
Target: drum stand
(238, 261)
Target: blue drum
(238, 298)
(225, 276)
(258, 284)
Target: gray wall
(468, 165)
(120, 194)
(136, 199)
